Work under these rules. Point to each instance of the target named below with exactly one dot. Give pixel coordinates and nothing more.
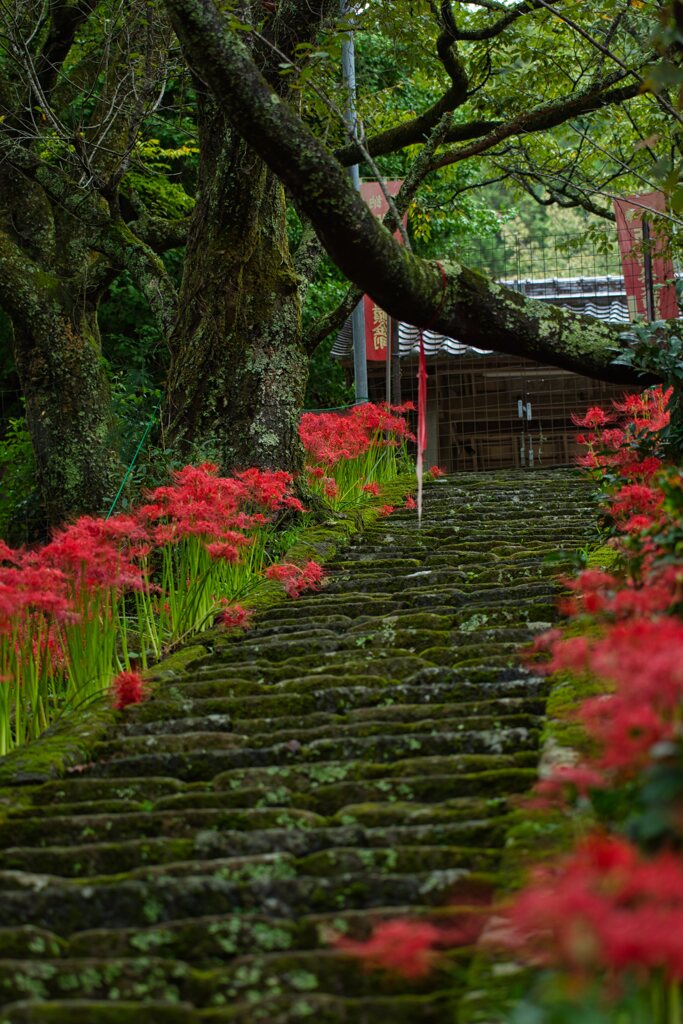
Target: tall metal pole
(360, 366)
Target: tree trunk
(68, 415)
(239, 369)
(58, 360)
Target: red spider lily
(605, 906)
(642, 660)
(410, 502)
(235, 617)
(626, 730)
(648, 411)
(627, 448)
(634, 505)
(127, 688)
(200, 503)
(30, 588)
(366, 444)
(595, 417)
(226, 552)
(99, 553)
(435, 472)
(385, 510)
(295, 579)
(603, 595)
(330, 487)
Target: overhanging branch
(445, 296)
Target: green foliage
(20, 514)
(153, 179)
(556, 1000)
(328, 386)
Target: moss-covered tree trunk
(61, 373)
(68, 414)
(239, 369)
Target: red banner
(635, 250)
(376, 330)
(376, 320)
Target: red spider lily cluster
(350, 455)
(331, 437)
(411, 948)
(104, 594)
(613, 908)
(626, 447)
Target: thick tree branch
(498, 27)
(21, 281)
(333, 320)
(129, 252)
(419, 128)
(65, 20)
(447, 296)
(546, 116)
(160, 234)
(416, 175)
(412, 132)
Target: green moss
(63, 745)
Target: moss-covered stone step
(333, 694)
(62, 906)
(209, 940)
(329, 862)
(466, 711)
(456, 823)
(250, 977)
(236, 752)
(435, 1008)
(286, 706)
(175, 741)
(326, 800)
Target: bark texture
(58, 361)
(239, 368)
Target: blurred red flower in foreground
(406, 947)
(605, 906)
(411, 948)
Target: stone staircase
(349, 760)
